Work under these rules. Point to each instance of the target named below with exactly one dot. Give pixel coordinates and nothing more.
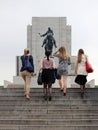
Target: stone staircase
(69, 112)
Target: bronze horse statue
(48, 43)
(49, 40)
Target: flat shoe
(45, 97)
(50, 98)
(61, 90)
(64, 94)
(27, 97)
(82, 94)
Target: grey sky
(15, 15)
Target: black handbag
(39, 79)
(57, 75)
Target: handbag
(57, 75)
(89, 68)
(39, 78)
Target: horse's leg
(54, 42)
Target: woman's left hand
(33, 74)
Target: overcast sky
(15, 15)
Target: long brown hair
(63, 53)
(80, 52)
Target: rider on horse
(49, 40)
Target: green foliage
(1, 86)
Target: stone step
(68, 112)
(48, 111)
(13, 96)
(74, 111)
(54, 102)
(54, 98)
(49, 121)
(49, 127)
(48, 116)
(40, 92)
(37, 93)
(56, 107)
(91, 90)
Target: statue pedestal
(19, 80)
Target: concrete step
(56, 107)
(48, 127)
(48, 116)
(20, 96)
(54, 102)
(38, 93)
(48, 111)
(45, 107)
(69, 112)
(91, 90)
(49, 121)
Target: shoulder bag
(89, 68)
(39, 78)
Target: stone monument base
(17, 80)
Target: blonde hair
(62, 52)
(80, 52)
(26, 51)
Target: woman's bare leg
(45, 91)
(65, 84)
(60, 83)
(82, 90)
(50, 91)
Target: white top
(80, 67)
